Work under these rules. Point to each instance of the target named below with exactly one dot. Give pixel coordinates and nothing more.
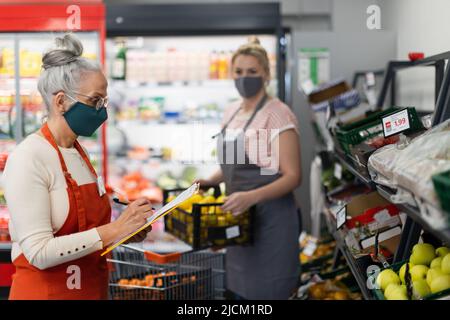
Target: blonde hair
(255, 49)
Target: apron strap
(49, 137)
(85, 158)
(71, 183)
(259, 106)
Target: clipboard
(169, 207)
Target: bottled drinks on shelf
(213, 65)
(119, 64)
(139, 65)
(222, 66)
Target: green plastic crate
(360, 131)
(378, 293)
(441, 183)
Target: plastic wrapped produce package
(381, 165)
(411, 168)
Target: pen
(124, 203)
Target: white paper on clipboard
(182, 197)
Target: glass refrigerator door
(22, 116)
(7, 112)
(31, 48)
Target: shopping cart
(137, 274)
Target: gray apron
(269, 268)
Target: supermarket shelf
(360, 279)
(414, 213)
(219, 83)
(385, 192)
(355, 172)
(194, 122)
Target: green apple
(420, 289)
(422, 253)
(436, 263)
(398, 293)
(391, 288)
(403, 270)
(387, 277)
(433, 273)
(440, 283)
(445, 264)
(419, 272)
(442, 251)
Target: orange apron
(87, 210)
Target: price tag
(341, 217)
(232, 232)
(338, 171)
(395, 123)
(370, 79)
(310, 248)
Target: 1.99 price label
(395, 123)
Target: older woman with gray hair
(60, 215)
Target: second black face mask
(248, 86)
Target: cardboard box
(390, 244)
(363, 202)
(354, 245)
(328, 92)
(369, 213)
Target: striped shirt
(273, 118)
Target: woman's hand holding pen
(132, 218)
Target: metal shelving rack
(346, 163)
(343, 250)
(414, 213)
(415, 223)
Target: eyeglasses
(100, 101)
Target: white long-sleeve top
(37, 199)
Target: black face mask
(249, 86)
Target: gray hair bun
(68, 49)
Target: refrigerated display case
(169, 74)
(27, 30)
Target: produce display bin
(193, 276)
(360, 153)
(367, 214)
(207, 226)
(354, 133)
(378, 293)
(441, 183)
